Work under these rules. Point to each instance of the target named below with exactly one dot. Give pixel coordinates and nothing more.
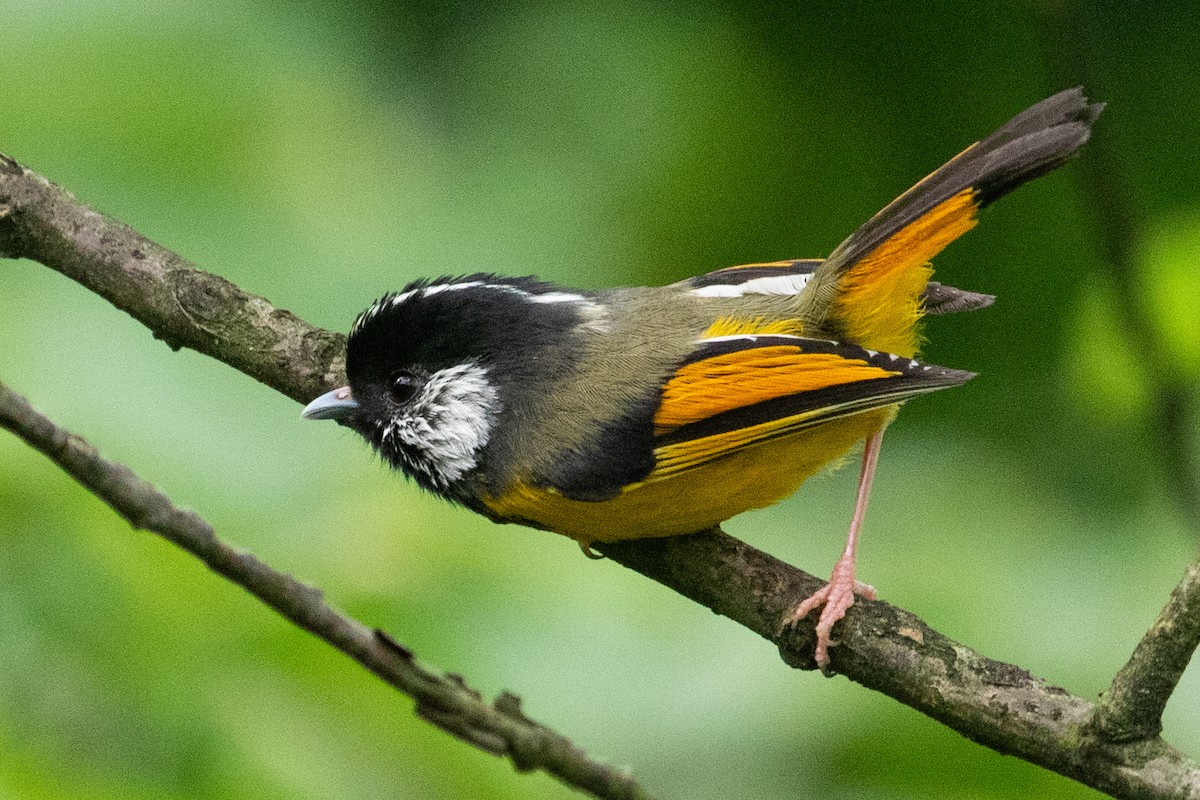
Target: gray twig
(499, 728)
(1132, 708)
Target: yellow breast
(694, 499)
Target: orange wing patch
(879, 298)
(732, 380)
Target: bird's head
(434, 368)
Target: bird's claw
(836, 597)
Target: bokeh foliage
(322, 154)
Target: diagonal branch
(178, 303)
(882, 647)
(501, 728)
(1132, 708)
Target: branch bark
(500, 728)
(1132, 708)
(882, 647)
(180, 304)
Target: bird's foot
(836, 597)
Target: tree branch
(882, 647)
(180, 304)
(500, 728)
(1132, 708)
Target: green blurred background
(323, 154)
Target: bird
(628, 413)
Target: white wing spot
(772, 285)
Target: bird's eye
(402, 386)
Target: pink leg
(838, 595)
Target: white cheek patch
(448, 423)
(775, 284)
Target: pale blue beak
(337, 404)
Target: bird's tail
(869, 291)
